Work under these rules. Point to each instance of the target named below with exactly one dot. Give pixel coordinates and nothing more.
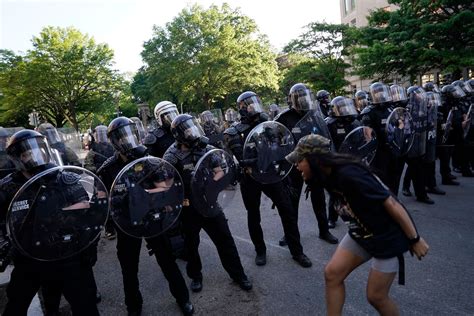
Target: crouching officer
(190, 146)
(123, 135)
(52, 223)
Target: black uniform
(214, 133)
(6, 165)
(72, 276)
(290, 118)
(128, 252)
(97, 155)
(339, 128)
(216, 227)
(158, 141)
(251, 191)
(385, 163)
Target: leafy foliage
(202, 58)
(419, 36)
(66, 77)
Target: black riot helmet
(451, 91)
(399, 94)
(123, 135)
(140, 128)
(342, 107)
(361, 100)
(186, 130)
(50, 132)
(431, 86)
(231, 115)
(207, 117)
(250, 106)
(100, 134)
(464, 86)
(301, 98)
(323, 97)
(380, 93)
(416, 95)
(29, 150)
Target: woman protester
(379, 226)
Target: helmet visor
(467, 87)
(380, 94)
(344, 108)
(100, 134)
(207, 117)
(31, 153)
(398, 93)
(253, 105)
(433, 99)
(125, 138)
(168, 117)
(303, 100)
(457, 92)
(52, 135)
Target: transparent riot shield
(146, 197)
(264, 152)
(418, 109)
(432, 120)
(311, 123)
(399, 131)
(470, 120)
(360, 142)
(213, 182)
(57, 213)
(446, 127)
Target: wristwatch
(413, 241)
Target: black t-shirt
(360, 198)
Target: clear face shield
(52, 135)
(125, 138)
(380, 94)
(31, 153)
(207, 117)
(458, 92)
(433, 99)
(344, 108)
(231, 116)
(100, 134)
(303, 100)
(191, 130)
(253, 105)
(168, 117)
(398, 93)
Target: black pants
(251, 192)
(415, 172)
(219, 232)
(128, 253)
(28, 276)
(444, 154)
(318, 199)
(389, 168)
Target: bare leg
(342, 263)
(378, 286)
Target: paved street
(442, 284)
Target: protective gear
(430, 86)
(324, 100)
(434, 101)
(360, 142)
(100, 134)
(399, 95)
(417, 107)
(274, 110)
(301, 98)
(29, 150)
(165, 112)
(342, 107)
(186, 130)
(123, 135)
(464, 86)
(471, 83)
(140, 128)
(231, 115)
(452, 91)
(250, 106)
(50, 132)
(206, 116)
(380, 93)
(361, 100)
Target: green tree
(326, 48)
(66, 77)
(419, 36)
(203, 57)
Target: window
(349, 6)
(427, 77)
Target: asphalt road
(441, 284)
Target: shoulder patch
(367, 110)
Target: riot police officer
(190, 146)
(273, 111)
(341, 121)
(361, 100)
(300, 101)
(158, 140)
(251, 114)
(6, 165)
(123, 135)
(100, 149)
(212, 131)
(31, 154)
(68, 156)
(230, 117)
(375, 116)
(324, 101)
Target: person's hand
(420, 249)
